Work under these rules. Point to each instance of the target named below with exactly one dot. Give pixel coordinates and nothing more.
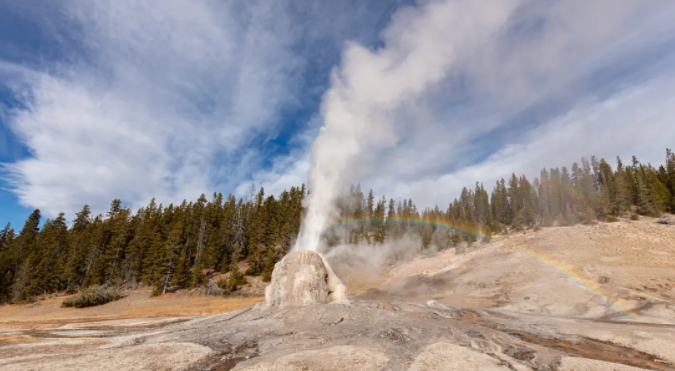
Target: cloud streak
(162, 101)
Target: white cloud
(637, 122)
(163, 101)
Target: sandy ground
(598, 297)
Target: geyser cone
(304, 278)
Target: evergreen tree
(670, 177)
(21, 255)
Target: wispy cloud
(160, 101)
(636, 121)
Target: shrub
(92, 296)
(233, 282)
(634, 216)
(612, 219)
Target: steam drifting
(421, 45)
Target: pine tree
(670, 177)
(608, 201)
(6, 237)
(644, 200)
(378, 221)
(390, 226)
(544, 193)
(235, 280)
(21, 255)
(168, 258)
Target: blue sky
(140, 99)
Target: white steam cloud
(421, 45)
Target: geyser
(304, 278)
(374, 92)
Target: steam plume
(421, 45)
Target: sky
(171, 99)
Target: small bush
(612, 219)
(634, 216)
(92, 296)
(233, 282)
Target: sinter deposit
(304, 278)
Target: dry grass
(194, 307)
(137, 304)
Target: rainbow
(576, 277)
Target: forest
(182, 246)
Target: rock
(170, 357)
(343, 357)
(304, 278)
(666, 219)
(451, 357)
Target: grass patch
(634, 216)
(92, 296)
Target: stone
(451, 357)
(666, 219)
(304, 278)
(344, 357)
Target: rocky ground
(523, 302)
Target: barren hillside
(623, 270)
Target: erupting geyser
(304, 278)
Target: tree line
(183, 245)
(591, 191)
(172, 246)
